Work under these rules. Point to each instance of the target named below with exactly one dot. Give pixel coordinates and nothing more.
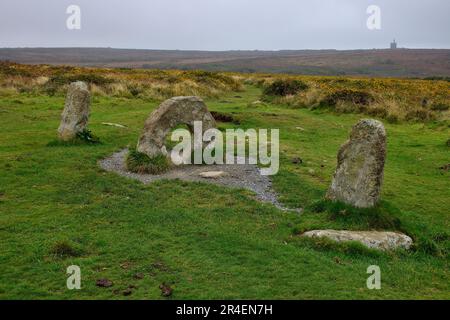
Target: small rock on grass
(139, 276)
(127, 292)
(104, 283)
(212, 174)
(166, 290)
(297, 160)
(113, 124)
(125, 265)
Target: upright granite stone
(171, 113)
(360, 165)
(75, 116)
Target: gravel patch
(235, 175)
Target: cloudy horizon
(218, 25)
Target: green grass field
(58, 208)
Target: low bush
(440, 107)
(419, 115)
(284, 87)
(10, 69)
(87, 136)
(352, 96)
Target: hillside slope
(376, 63)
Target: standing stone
(360, 164)
(171, 113)
(75, 116)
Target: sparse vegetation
(141, 163)
(65, 249)
(88, 136)
(82, 138)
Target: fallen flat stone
(381, 240)
(113, 124)
(212, 174)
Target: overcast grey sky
(225, 24)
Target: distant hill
(372, 63)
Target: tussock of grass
(224, 117)
(141, 163)
(82, 138)
(87, 136)
(350, 248)
(65, 249)
(434, 246)
(380, 217)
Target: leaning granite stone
(75, 116)
(372, 239)
(171, 113)
(360, 165)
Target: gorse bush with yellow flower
(391, 99)
(146, 84)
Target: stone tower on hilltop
(393, 45)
